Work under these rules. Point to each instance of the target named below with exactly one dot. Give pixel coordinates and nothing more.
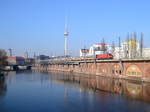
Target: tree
(3, 57)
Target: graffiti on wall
(133, 70)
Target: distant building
(29, 61)
(26, 55)
(16, 61)
(146, 53)
(84, 52)
(9, 54)
(128, 49)
(96, 49)
(42, 57)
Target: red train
(104, 56)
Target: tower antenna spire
(66, 23)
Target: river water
(59, 92)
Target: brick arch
(103, 68)
(116, 69)
(133, 70)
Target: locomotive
(104, 56)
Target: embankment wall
(132, 70)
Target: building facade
(96, 49)
(16, 61)
(84, 52)
(127, 50)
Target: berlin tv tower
(66, 33)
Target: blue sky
(38, 25)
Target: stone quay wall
(131, 70)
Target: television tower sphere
(65, 33)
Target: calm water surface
(43, 92)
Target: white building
(95, 49)
(146, 52)
(130, 49)
(84, 52)
(127, 50)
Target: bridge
(18, 67)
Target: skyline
(38, 25)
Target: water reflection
(3, 87)
(131, 89)
(62, 92)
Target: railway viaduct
(131, 69)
